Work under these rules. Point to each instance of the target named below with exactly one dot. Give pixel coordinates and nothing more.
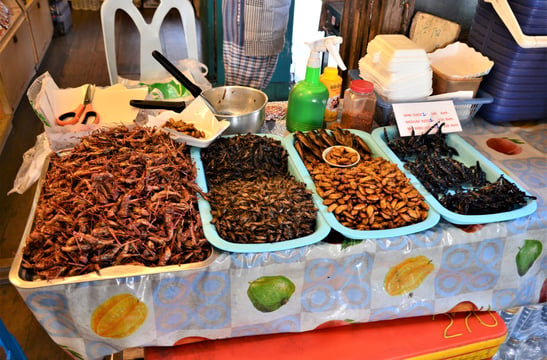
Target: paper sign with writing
(422, 115)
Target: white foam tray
(459, 61)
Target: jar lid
(362, 86)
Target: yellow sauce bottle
(333, 82)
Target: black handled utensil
(176, 106)
(177, 74)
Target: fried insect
(119, 197)
(184, 128)
(253, 197)
(421, 145)
(459, 188)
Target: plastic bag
(195, 71)
(168, 88)
(33, 162)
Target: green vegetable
(269, 293)
(527, 254)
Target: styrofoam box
(390, 79)
(397, 46)
(408, 72)
(396, 52)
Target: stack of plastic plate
(517, 80)
(399, 69)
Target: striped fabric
(254, 34)
(253, 71)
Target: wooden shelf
(21, 49)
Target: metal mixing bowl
(244, 107)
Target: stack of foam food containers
(399, 69)
(519, 77)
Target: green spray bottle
(308, 98)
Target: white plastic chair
(150, 69)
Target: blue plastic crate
(493, 30)
(492, 45)
(496, 85)
(500, 113)
(531, 16)
(516, 68)
(518, 77)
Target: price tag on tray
(419, 117)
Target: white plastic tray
(19, 278)
(468, 156)
(431, 220)
(198, 114)
(322, 228)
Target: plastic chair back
(150, 69)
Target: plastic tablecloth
(471, 267)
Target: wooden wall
(362, 20)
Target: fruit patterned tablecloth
(491, 266)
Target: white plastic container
(399, 69)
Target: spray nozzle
(328, 44)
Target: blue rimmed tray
(468, 156)
(432, 219)
(322, 228)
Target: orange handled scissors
(84, 113)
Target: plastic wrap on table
(471, 267)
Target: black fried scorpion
(459, 188)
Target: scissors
(83, 112)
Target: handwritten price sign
(420, 116)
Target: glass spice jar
(359, 105)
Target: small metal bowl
(244, 107)
(341, 156)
